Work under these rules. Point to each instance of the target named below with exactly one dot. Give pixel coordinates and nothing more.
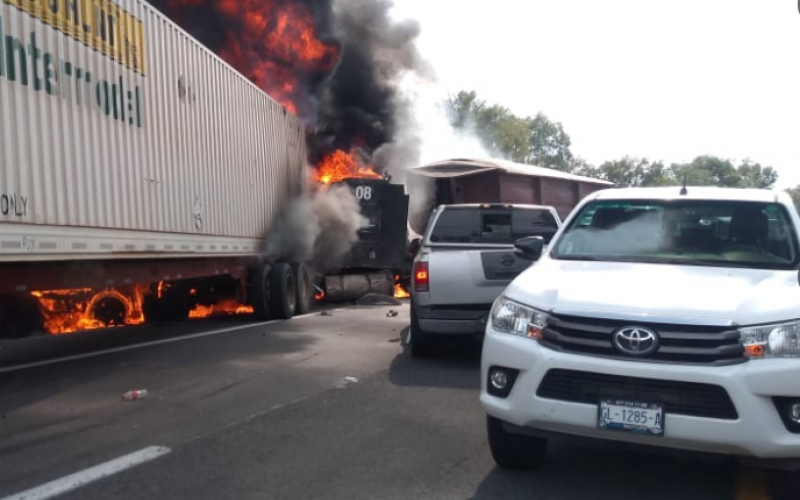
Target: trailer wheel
(283, 291)
(304, 288)
(259, 284)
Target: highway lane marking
(103, 352)
(84, 477)
(751, 484)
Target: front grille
(681, 398)
(715, 345)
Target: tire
(259, 284)
(423, 344)
(283, 291)
(305, 288)
(512, 451)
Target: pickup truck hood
(665, 293)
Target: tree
(754, 175)
(537, 140)
(548, 144)
(795, 194)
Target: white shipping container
(122, 136)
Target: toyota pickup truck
(660, 317)
(466, 258)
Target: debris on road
(345, 382)
(133, 395)
(392, 314)
(325, 313)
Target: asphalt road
(319, 407)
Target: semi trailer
(139, 173)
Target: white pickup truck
(466, 258)
(663, 317)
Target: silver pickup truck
(466, 259)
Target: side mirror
(529, 248)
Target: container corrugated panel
(122, 136)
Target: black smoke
(354, 103)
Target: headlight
(514, 318)
(772, 341)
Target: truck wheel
(283, 291)
(259, 284)
(423, 344)
(305, 293)
(512, 451)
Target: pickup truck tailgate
(473, 276)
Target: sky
(664, 80)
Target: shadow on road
(582, 473)
(456, 365)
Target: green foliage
(537, 140)
(540, 141)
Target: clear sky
(663, 79)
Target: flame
(319, 295)
(399, 291)
(274, 43)
(222, 307)
(340, 165)
(73, 310)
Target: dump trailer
(139, 173)
(378, 260)
(492, 180)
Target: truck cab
(466, 258)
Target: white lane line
(103, 352)
(82, 478)
(135, 346)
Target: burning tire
(283, 291)
(305, 288)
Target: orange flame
(273, 43)
(73, 310)
(222, 307)
(340, 165)
(319, 295)
(399, 291)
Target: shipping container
(129, 152)
(493, 181)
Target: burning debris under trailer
(74, 310)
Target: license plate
(631, 416)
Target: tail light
(421, 276)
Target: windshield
(492, 225)
(715, 233)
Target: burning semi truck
(140, 177)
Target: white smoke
(318, 228)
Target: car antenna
(683, 189)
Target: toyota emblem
(636, 341)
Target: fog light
(500, 382)
(794, 413)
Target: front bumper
(757, 432)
